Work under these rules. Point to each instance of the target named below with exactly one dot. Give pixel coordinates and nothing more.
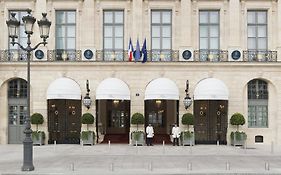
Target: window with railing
(257, 104)
(65, 35)
(161, 35)
(257, 35)
(113, 35)
(209, 34)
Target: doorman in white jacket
(149, 135)
(176, 134)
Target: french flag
(130, 50)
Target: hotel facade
(228, 51)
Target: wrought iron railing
(12, 55)
(259, 56)
(111, 55)
(206, 55)
(64, 55)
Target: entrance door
(210, 121)
(64, 123)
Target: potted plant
(87, 137)
(137, 136)
(38, 137)
(237, 137)
(187, 136)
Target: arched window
(257, 104)
(17, 88)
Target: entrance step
(116, 138)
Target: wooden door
(210, 121)
(64, 123)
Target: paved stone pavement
(125, 159)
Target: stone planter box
(137, 139)
(190, 140)
(38, 140)
(238, 140)
(89, 140)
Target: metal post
(163, 146)
(227, 166)
(266, 166)
(189, 166)
(27, 143)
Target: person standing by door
(176, 134)
(149, 135)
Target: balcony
(64, 55)
(13, 55)
(259, 56)
(206, 55)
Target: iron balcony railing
(213, 55)
(13, 55)
(259, 56)
(64, 55)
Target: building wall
(89, 29)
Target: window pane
(214, 31)
(118, 43)
(60, 31)
(108, 43)
(214, 43)
(60, 18)
(203, 31)
(155, 17)
(166, 44)
(214, 17)
(203, 17)
(119, 31)
(262, 17)
(155, 43)
(108, 31)
(71, 31)
(118, 17)
(71, 43)
(261, 31)
(262, 44)
(108, 16)
(71, 17)
(252, 43)
(251, 17)
(204, 43)
(251, 31)
(166, 18)
(166, 31)
(60, 43)
(155, 31)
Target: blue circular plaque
(39, 54)
(88, 54)
(236, 54)
(186, 55)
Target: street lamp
(187, 101)
(87, 99)
(13, 27)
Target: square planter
(38, 138)
(87, 138)
(238, 138)
(187, 138)
(137, 138)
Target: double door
(64, 121)
(210, 121)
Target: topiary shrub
(237, 119)
(87, 118)
(36, 119)
(137, 119)
(187, 119)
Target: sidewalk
(126, 159)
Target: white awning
(162, 88)
(64, 88)
(211, 89)
(113, 88)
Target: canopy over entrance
(64, 88)
(114, 89)
(162, 89)
(211, 89)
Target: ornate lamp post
(13, 27)
(187, 101)
(87, 99)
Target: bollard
(218, 143)
(163, 143)
(227, 166)
(72, 167)
(190, 149)
(189, 166)
(109, 144)
(266, 166)
(55, 143)
(150, 166)
(111, 166)
(272, 147)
